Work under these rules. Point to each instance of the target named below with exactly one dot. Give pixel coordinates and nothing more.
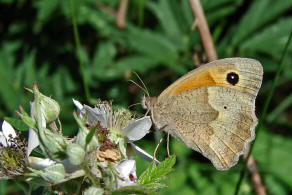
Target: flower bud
(53, 144)
(50, 107)
(75, 154)
(54, 174)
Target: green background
(37, 44)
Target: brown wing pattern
(216, 120)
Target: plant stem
(78, 47)
(201, 23)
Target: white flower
(103, 113)
(7, 134)
(134, 130)
(126, 173)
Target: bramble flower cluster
(95, 161)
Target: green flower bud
(50, 107)
(54, 174)
(75, 154)
(53, 144)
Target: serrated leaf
(145, 178)
(164, 167)
(154, 174)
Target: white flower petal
(144, 154)
(8, 130)
(96, 114)
(126, 173)
(77, 104)
(3, 140)
(33, 140)
(137, 129)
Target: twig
(254, 174)
(255, 177)
(201, 23)
(121, 14)
(196, 59)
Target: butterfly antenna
(146, 91)
(133, 105)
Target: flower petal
(3, 140)
(144, 154)
(96, 114)
(77, 104)
(33, 140)
(126, 173)
(137, 129)
(8, 130)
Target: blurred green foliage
(37, 44)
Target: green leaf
(146, 178)
(90, 135)
(273, 154)
(168, 20)
(153, 45)
(271, 40)
(258, 14)
(45, 9)
(17, 123)
(154, 174)
(8, 93)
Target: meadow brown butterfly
(212, 109)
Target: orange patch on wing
(214, 76)
(204, 79)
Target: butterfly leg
(156, 148)
(167, 145)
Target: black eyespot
(225, 107)
(232, 78)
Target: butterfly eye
(232, 78)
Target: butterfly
(212, 109)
